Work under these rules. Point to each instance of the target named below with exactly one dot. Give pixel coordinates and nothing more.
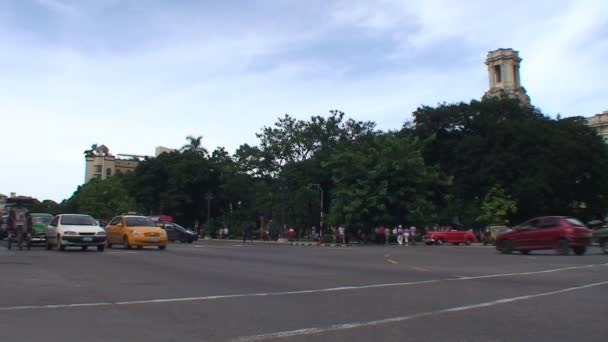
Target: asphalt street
(228, 291)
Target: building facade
(600, 123)
(101, 164)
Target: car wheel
(100, 248)
(140, 247)
(468, 242)
(580, 250)
(125, 242)
(439, 242)
(49, 246)
(562, 247)
(525, 252)
(60, 246)
(506, 247)
(108, 244)
(162, 247)
(84, 248)
(604, 246)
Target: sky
(136, 74)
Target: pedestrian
(387, 235)
(342, 235)
(406, 236)
(247, 233)
(400, 235)
(334, 235)
(226, 231)
(413, 235)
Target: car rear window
(73, 220)
(574, 222)
(139, 222)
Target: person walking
(387, 235)
(400, 235)
(247, 233)
(413, 235)
(342, 235)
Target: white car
(74, 230)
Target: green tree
(496, 207)
(547, 166)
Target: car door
(51, 230)
(112, 230)
(547, 233)
(172, 233)
(524, 239)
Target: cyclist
(21, 224)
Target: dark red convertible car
(560, 233)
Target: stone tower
(503, 72)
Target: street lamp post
(208, 197)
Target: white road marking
(297, 292)
(347, 326)
(419, 268)
(391, 261)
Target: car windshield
(139, 222)
(77, 220)
(574, 222)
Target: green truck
(39, 223)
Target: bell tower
(503, 72)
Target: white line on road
(419, 268)
(347, 326)
(286, 293)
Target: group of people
(405, 236)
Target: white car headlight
(101, 233)
(135, 232)
(69, 232)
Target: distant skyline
(136, 74)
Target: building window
(497, 74)
(97, 168)
(108, 172)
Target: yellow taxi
(135, 231)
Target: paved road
(226, 291)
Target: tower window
(497, 74)
(108, 172)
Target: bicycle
(19, 235)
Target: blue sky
(135, 74)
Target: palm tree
(194, 144)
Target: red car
(456, 237)
(551, 232)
